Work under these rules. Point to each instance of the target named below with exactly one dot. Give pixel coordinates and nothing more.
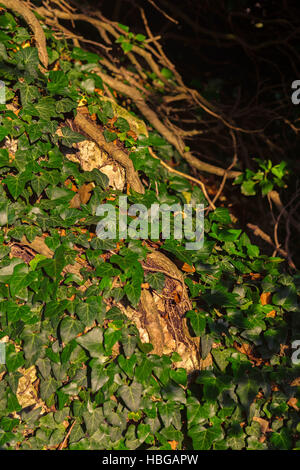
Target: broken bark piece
(152, 323)
(160, 320)
(95, 133)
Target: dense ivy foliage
(247, 397)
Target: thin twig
(264, 236)
(62, 445)
(234, 160)
(283, 210)
(191, 178)
(163, 12)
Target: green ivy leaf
(281, 440)
(167, 73)
(122, 125)
(69, 329)
(47, 387)
(156, 280)
(131, 395)
(126, 46)
(16, 184)
(247, 390)
(109, 136)
(33, 342)
(248, 188)
(70, 137)
(28, 58)
(204, 438)
(133, 292)
(92, 341)
(90, 310)
(266, 187)
(28, 93)
(14, 359)
(58, 83)
(20, 280)
(198, 322)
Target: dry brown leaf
(176, 297)
(75, 201)
(293, 403)
(264, 424)
(132, 134)
(255, 276)
(38, 245)
(173, 444)
(207, 362)
(188, 269)
(22, 252)
(26, 392)
(111, 121)
(245, 348)
(85, 192)
(70, 185)
(218, 313)
(283, 348)
(265, 298)
(56, 66)
(296, 382)
(248, 351)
